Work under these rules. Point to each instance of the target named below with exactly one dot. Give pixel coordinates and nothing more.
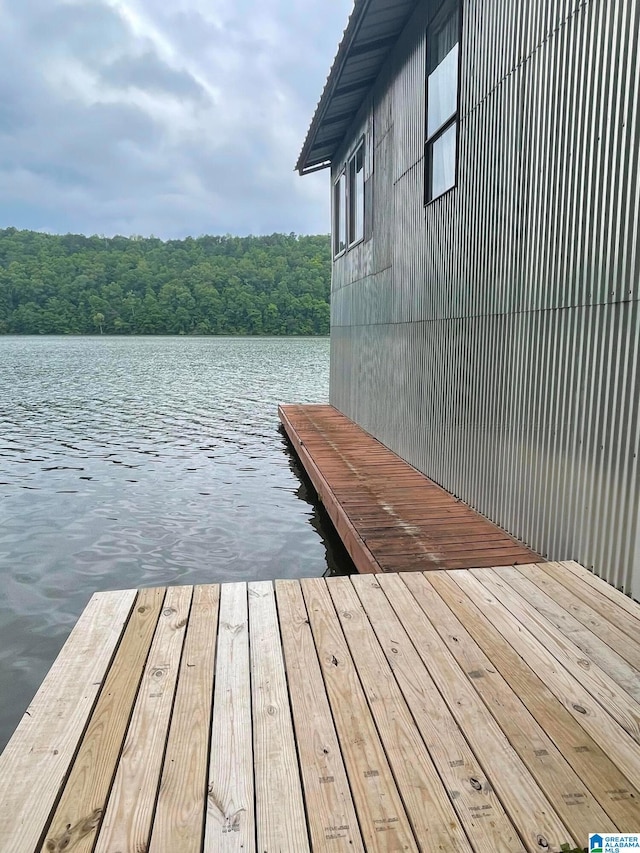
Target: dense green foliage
(276, 285)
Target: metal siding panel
(492, 338)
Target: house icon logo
(595, 843)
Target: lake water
(128, 462)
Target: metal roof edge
(348, 36)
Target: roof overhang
(372, 30)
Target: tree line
(212, 285)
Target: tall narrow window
(442, 102)
(340, 215)
(356, 195)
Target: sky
(167, 117)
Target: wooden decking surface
(493, 710)
(390, 516)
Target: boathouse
(485, 323)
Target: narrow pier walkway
(390, 517)
(492, 710)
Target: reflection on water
(128, 462)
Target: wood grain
(127, 820)
(608, 601)
(431, 813)
(179, 818)
(602, 687)
(389, 515)
(84, 799)
(631, 607)
(487, 710)
(604, 730)
(35, 763)
(333, 825)
(525, 803)
(545, 761)
(381, 814)
(280, 818)
(541, 592)
(479, 809)
(230, 813)
(608, 784)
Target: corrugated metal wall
(491, 339)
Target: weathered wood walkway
(390, 516)
(490, 710)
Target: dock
(390, 516)
(494, 710)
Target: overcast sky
(165, 117)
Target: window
(340, 215)
(356, 195)
(348, 203)
(442, 102)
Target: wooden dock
(389, 515)
(494, 710)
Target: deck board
(438, 711)
(331, 814)
(583, 634)
(609, 785)
(230, 818)
(79, 812)
(586, 710)
(383, 819)
(280, 819)
(178, 821)
(479, 810)
(44, 744)
(389, 515)
(127, 821)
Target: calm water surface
(128, 462)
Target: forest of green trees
(276, 285)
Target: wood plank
(609, 633)
(471, 559)
(361, 556)
(430, 811)
(608, 784)
(477, 806)
(417, 542)
(333, 825)
(527, 806)
(179, 818)
(127, 820)
(601, 686)
(604, 730)
(363, 484)
(84, 799)
(44, 744)
(230, 816)
(631, 607)
(572, 799)
(534, 590)
(383, 820)
(280, 817)
(622, 612)
(461, 532)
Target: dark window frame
(354, 240)
(341, 202)
(339, 212)
(447, 10)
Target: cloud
(172, 119)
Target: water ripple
(146, 461)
